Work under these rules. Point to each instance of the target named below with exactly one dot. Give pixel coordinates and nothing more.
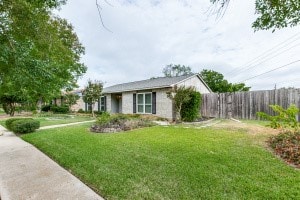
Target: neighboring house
(147, 96)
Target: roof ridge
(149, 79)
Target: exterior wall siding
(164, 105)
(108, 102)
(127, 102)
(197, 83)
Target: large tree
(39, 52)
(176, 70)
(217, 83)
(273, 14)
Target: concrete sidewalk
(27, 173)
(63, 125)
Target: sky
(147, 35)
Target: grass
(171, 163)
(57, 119)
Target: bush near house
(46, 108)
(190, 110)
(59, 109)
(22, 125)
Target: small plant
(103, 119)
(24, 125)
(285, 118)
(287, 146)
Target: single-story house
(146, 96)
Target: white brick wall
(127, 102)
(164, 105)
(197, 83)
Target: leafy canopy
(272, 14)
(176, 70)
(40, 53)
(217, 83)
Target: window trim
(144, 103)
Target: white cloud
(147, 35)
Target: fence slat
(245, 105)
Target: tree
(176, 70)
(92, 93)
(40, 53)
(217, 83)
(273, 14)
(71, 99)
(179, 96)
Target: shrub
(190, 109)
(103, 119)
(119, 122)
(60, 109)
(287, 146)
(25, 126)
(285, 118)
(46, 108)
(80, 110)
(8, 123)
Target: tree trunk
(93, 113)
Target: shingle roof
(161, 82)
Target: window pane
(140, 108)
(148, 99)
(102, 100)
(148, 109)
(102, 108)
(140, 99)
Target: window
(144, 103)
(102, 103)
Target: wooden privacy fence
(245, 105)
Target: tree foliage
(71, 99)
(180, 95)
(273, 14)
(40, 53)
(217, 83)
(190, 110)
(92, 93)
(176, 70)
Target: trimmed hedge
(8, 123)
(24, 126)
(60, 109)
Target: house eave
(138, 89)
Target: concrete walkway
(27, 173)
(62, 125)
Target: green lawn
(171, 163)
(57, 119)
